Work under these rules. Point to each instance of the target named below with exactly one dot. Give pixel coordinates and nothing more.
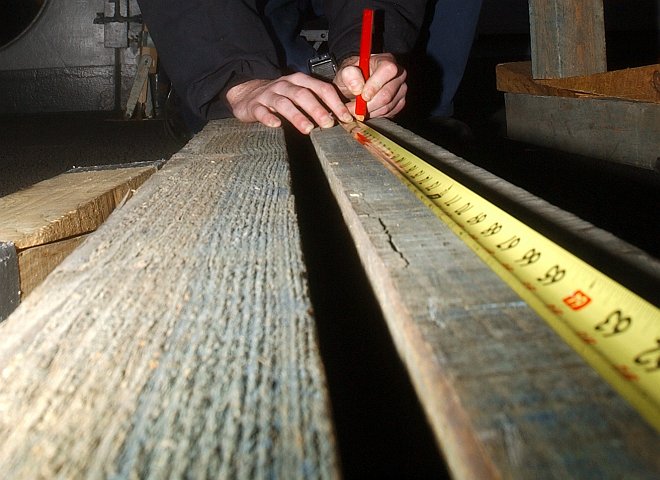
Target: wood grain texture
(504, 395)
(9, 280)
(640, 84)
(177, 341)
(567, 38)
(36, 263)
(67, 205)
(616, 130)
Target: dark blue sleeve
(208, 46)
(397, 25)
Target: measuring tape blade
(616, 331)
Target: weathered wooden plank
(504, 395)
(9, 281)
(641, 83)
(567, 38)
(36, 263)
(615, 130)
(47, 221)
(612, 255)
(67, 205)
(177, 341)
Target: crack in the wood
(390, 240)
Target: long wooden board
(638, 84)
(504, 395)
(37, 262)
(177, 341)
(46, 221)
(67, 205)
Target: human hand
(301, 99)
(385, 89)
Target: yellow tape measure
(613, 329)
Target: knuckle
(280, 103)
(296, 77)
(389, 68)
(318, 112)
(327, 90)
(386, 96)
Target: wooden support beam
(37, 262)
(178, 340)
(505, 396)
(567, 38)
(620, 131)
(47, 221)
(636, 84)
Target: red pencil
(365, 54)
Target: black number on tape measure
(492, 230)
(461, 210)
(553, 275)
(422, 182)
(454, 199)
(531, 256)
(615, 323)
(650, 358)
(435, 196)
(477, 219)
(509, 244)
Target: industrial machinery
(59, 55)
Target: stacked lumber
(47, 221)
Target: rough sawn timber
(505, 396)
(634, 84)
(67, 205)
(46, 221)
(177, 341)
